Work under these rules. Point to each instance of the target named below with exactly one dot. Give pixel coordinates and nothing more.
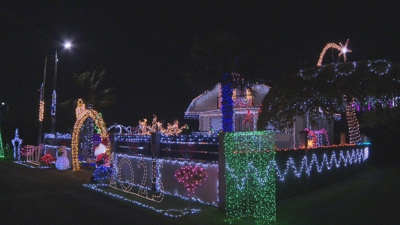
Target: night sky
(145, 47)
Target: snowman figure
(62, 162)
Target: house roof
(207, 103)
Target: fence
(155, 158)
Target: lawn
(371, 197)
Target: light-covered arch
(81, 115)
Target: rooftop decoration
(342, 51)
(156, 126)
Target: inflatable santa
(103, 170)
(100, 153)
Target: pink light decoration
(28, 150)
(191, 177)
(316, 134)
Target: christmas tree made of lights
(1, 146)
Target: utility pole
(54, 102)
(41, 103)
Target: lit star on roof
(342, 51)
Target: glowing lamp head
(344, 50)
(67, 45)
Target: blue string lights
(53, 103)
(129, 171)
(349, 157)
(17, 152)
(227, 103)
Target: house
(207, 109)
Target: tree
(222, 58)
(93, 98)
(322, 91)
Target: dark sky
(145, 47)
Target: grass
(371, 197)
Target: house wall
(206, 122)
(284, 140)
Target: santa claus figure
(100, 153)
(103, 170)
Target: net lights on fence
(126, 185)
(250, 185)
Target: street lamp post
(41, 103)
(54, 99)
(67, 45)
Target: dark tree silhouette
(222, 58)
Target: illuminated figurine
(103, 170)
(62, 162)
(100, 153)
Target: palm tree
(93, 98)
(327, 89)
(222, 58)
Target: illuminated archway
(81, 115)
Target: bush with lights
(48, 159)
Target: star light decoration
(342, 51)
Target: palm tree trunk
(227, 103)
(354, 130)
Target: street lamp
(67, 45)
(3, 104)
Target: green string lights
(250, 180)
(1, 146)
